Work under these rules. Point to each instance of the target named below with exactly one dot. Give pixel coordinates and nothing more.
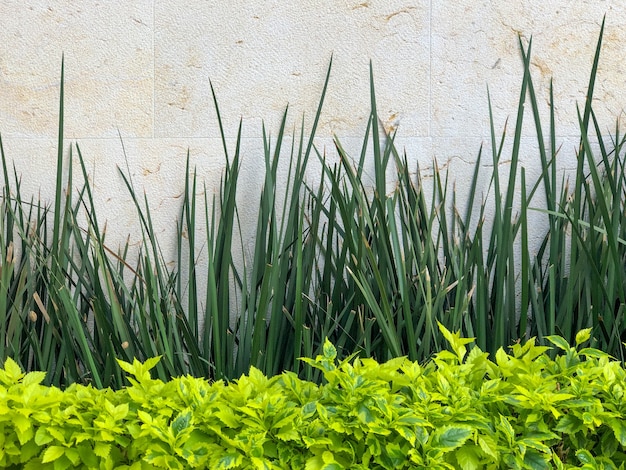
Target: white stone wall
(141, 69)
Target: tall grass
(371, 267)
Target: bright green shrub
(461, 410)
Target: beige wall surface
(142, 70)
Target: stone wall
(142, 70)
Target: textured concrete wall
(142, 68)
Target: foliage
(461, 410)
(371, 268)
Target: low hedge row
(461, 410)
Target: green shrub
(461, 410)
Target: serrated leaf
(535, 460)
(328, 457)
(467, 458)
(559, 342)
(456, 342)
(407, 433)
(120, 411)
(330, 352)
(181, 422)
(102, 450)
(52, 453)
(126, 366)
(569, 424)
(26, 431)
(88, 456)
(309, 409)
(333, 466)
(42, 437)
(198, 454)
(585, 457)
(227, 416)
(150, 363)
(506, 427)
(619, 429)
(288, 433)
(21, 422)
(145, 417)
(314, 463)
(228, 461)
(501, 357)
(12, 373)
(582, 336)
(72, 455)
(261, 463)
(422, 435)
(488, 445)
(33, 378)
(450, 437)
(364, 414)
(593, 353)
(395, 451)
(534, 444)
(608, 445)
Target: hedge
(533, 407)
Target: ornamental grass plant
(371, 268)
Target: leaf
(12, 373)
(467, 458)
(33, 378)
(407, 433)
(117, 412)
(288, 433)
(88, 456)
(421, 434)
(451, 437)
(314, 463)
(456, 342)
(585, 457)
(52, 453)
(25, 427)
(364, 413)
(593, 353)
(22, 423)
(535, 460)
(534, 444)
(126, 366)
(569, 424)
(102, 450)
(333, 466)
(583, 335)
(42, 437)
(619, 429)
(488, 445)
(501, 358)
(228, 461)
(151, 362)
(72, 455)
(330, 352)
(309, 409)
(138, 369)
(145, 417)
(508, 429)
(197, 454)
(227, 417)
(559, 342)
(261, 463)
(181, 423)
(328, 457)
